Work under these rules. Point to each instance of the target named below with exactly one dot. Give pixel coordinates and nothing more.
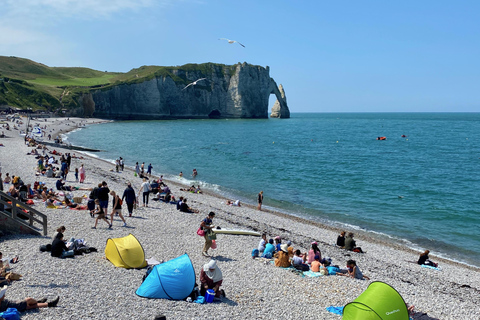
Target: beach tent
(379, 302)
(125, 252)
(174, 280)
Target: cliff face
(239, 91)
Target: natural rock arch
(280, 108)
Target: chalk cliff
(238, 91)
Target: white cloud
(44, 10)
(28, 27)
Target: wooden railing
(15, 209)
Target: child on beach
(117, 208)
(100, 215)
(353, 271)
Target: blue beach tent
(174, 280)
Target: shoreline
(254, 289)
(360, 233)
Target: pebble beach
(90, 287)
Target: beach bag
(214, 244)
(200, 232)
(211, 235)
(10, 314)
(120, 201)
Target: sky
(330, 56)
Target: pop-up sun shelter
(378, 302)
(125, 252)
(174, 279)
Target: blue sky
(330, 56)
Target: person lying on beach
(69, 204)
(281, 257)
(190, 189)
(351, 245)
(353, 271)
(27, 304)
(235, 203)
(425, 260)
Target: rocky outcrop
(238, 91)
(280, 108)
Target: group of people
(286, 256)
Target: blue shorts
(104, 204)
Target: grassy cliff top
(28, 84)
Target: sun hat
(314, 242)
(284, 247)
(278, 238)
(317, 257)
(289, 243)
(212, 264)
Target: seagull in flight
(232, 41)
(193, 83)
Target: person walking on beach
(116, 208)
(122, 163)
(81, 171)
(149, 170)
(100, 215)
(137, 169)
(206, 225)
(130, 198)
(260, 200)
(145, 188)
(103, 197)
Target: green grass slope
(28, 84)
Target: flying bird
(193, 83)
(232, 41)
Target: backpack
(91, 204)
(120, 201)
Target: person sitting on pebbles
(353, 271)
(281, 257)
(211, 278)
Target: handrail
(12, 207)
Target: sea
(419, 187)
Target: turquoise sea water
(422, 190)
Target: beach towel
(430, 267)
(312, 274)
(336, 310)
